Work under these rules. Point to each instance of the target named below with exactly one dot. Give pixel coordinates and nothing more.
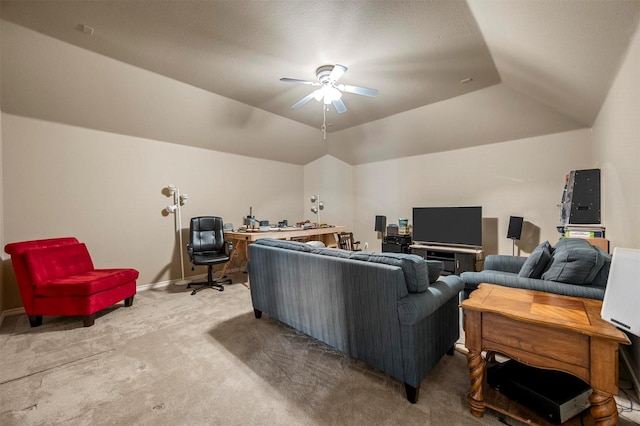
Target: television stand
(456, 260)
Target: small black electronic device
(556, 395)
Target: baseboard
(633, 374)
(162, 284)
(9, 312)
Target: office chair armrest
(229, 247)
(190, 250)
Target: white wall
(332, 180)
(516, 178)
(107, 190)
(616, 150)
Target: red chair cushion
(86, 283)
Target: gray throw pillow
(537, 261)
(575, 261)
(435, 269)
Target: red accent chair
(56, 277)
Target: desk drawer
(551, 343)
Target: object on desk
(228, 227)
(249, 221)
(392, 229)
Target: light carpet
(177, 359)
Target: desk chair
(208, 247)
(345, 241)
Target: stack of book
(584, 231)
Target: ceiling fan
(329, 91)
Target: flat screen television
(459, 226)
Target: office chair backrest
(206, 234)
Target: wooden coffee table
(547, 331)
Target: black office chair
(208, 247)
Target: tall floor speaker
(583, 195)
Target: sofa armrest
(414, 307)
(504, 263)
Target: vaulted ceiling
(424, 57)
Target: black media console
(456, 260)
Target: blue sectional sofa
(386, 309)
(572, 268)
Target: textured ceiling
(561, 54)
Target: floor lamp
(178, 201)
(316, 207)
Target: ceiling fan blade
(340, 106)
(337, 72)
(303, 100)
(295, 80)
(358, 90)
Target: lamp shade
(381, 223)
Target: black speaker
(583, 191)
(515, 227)
(381, 223)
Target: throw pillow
(575, 261)
(537, 261)
(435, 269)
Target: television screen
(448, 225)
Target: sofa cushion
(574, 261)
(537, 261)
(86, 283)
(285, 244)
(334, 252)
(414, 267)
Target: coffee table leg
(603, 408)
(476, 366)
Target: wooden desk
(546, 331)
(241, 240)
